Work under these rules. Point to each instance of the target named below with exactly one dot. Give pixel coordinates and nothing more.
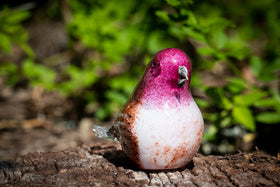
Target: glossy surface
(161, 126)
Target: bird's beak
(183, 73)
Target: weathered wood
(106, 165)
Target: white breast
(168, 138)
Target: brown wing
(127, 136)
(126, 123)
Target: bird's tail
(107, 133)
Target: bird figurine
(161, 127)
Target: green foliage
(219, 41)
(115, 33)
(79, 79)
(268, 117)
(39, 74)
(244, 116)
(12, 31)
(111, 41)
(10, 72)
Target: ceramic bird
(161, 127)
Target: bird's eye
(155, 67)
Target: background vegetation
(234, 47)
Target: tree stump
(104, 164)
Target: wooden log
(104, 164)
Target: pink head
(166, 80)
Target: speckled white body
(161, 126)
(169, 137)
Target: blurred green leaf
(102, 113)
(268, 118)
(123, 83)
(15, 16)
(206, 51)
(78, 79)
(162, 15)
(156, 42)
(268, 102)
(28, 50)
(237, 48)
(210, 133)
(11, 31)
(5, 43)
(116, 97)
(244, 116)
(226, 103)
(268, 72)
(193, 34)
(39, 75)
(236, 85)
(226, 122)
(7, 67)
(191, 20)
(173, 2)
(219, 38)
(249, 98)
(211, 116)
(256, 65)
(218, 96)
(202, 103)
(215, 94)
(9, 72)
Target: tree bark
(104, 164)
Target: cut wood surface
(104, 164)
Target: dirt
(32, 119)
